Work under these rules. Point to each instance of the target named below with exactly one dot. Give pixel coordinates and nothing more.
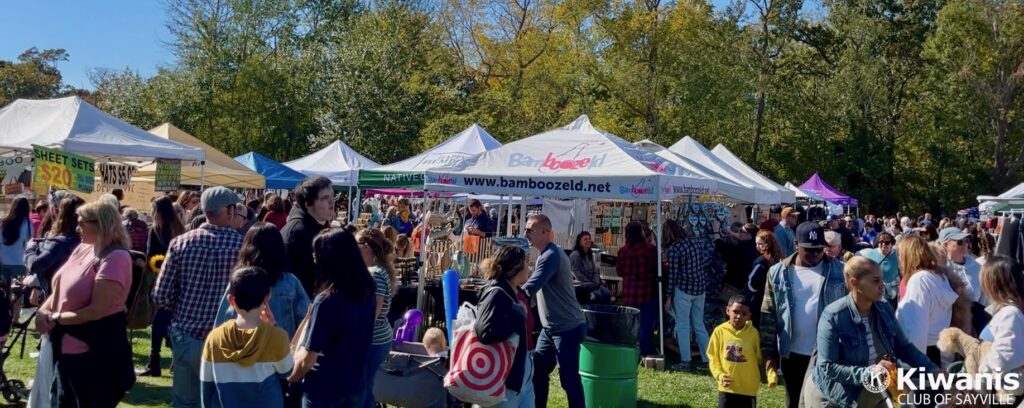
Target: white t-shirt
(806, 287)
(926, 308)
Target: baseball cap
(951, 234)
(217, 198)
(810, 235)
(789, 211)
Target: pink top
(73, 284)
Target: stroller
(12, 390)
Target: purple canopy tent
(818, 186)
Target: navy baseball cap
(810, 235)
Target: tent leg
(202, 175)
(508, 218)
(422, 284)
(661, 290)
(522, 218)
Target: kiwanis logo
(876, 379)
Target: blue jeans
(564, 349)
(689, 312)
(378, 354)
(187, 352)
(648, 317)
(525, 397)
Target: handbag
(478, 371)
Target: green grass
(656, 388)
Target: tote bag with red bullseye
(478, 371)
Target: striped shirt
(382, 333)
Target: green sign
(62, 170)
(168, 175)
(390, 179)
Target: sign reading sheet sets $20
(61, 170)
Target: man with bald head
(561, 317)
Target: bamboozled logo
(572, 159)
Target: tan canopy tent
(220, 170)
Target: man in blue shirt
(784, 231)
(477, 222)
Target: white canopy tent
(727, 188)
(574, 161)
(693, 150)
(76, 126)
(1012, 198)
(338, 162)
(723, 153)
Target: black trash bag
(610, 324)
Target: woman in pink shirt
(85, 314)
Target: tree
(34, 75)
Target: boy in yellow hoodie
(243, 358)
(734, 356)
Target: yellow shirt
(738, 354)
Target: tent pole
(202, 175)
(522, 217)
(508, 218)
(661, 290)
(422, 284)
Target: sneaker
(701, 367)
(680, 367)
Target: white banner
(116, 175)
(12, 167)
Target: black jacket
(298, 236)
(44, 256)
(499, 315)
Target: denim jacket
(776, 310)
(842, 346)
(288, 302)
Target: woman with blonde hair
(85, 315)
(931, 297)
(1002, 281)
(378, 252)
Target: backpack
(138, 304)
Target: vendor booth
(408, 174)
(219, 169)
(732, 190)
(693, 150)
(278, 176)
(1011, 200)
(723, 153)
(574, 161)
(815, 184)
(338, 162)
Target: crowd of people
(277, 301)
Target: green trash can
(609, 374)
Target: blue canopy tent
(279, 176)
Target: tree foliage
(905, 104)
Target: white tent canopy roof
(466, 143)
(693, 150)
(729, 158)
(1007, 197)
(574, 161)
(76, 126)
(726, 187)
(338, 162)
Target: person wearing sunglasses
(797, 292)
(885, 256)
(956, 245)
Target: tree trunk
(758, 126)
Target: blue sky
(96, 34)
